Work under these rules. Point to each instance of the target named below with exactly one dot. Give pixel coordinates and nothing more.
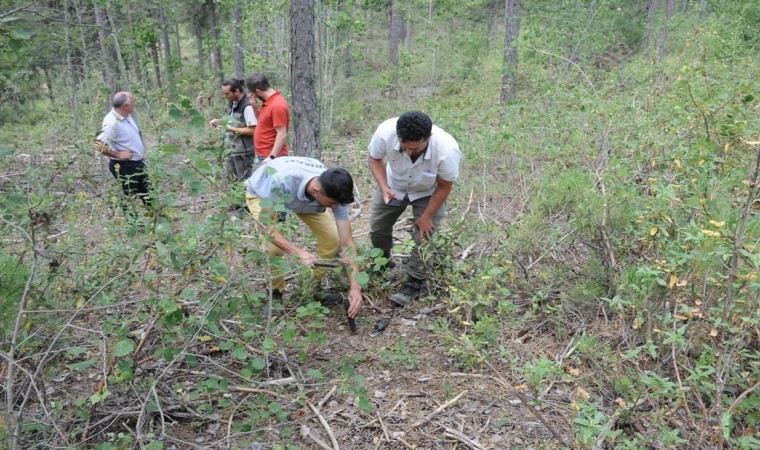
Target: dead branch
(430, 416)
(325, 425)
(461, 437)
(327, 397)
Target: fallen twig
(327, 397)
(325, 425)
(430, 416)
(461, 437)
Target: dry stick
(229, 422)
(325, 425)
(259, 391)
(522, 398)
(430, 416)
(327, 397)
(385, 430)
(319, 441)
(461, 437)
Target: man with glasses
(422, 164)
(120, 139)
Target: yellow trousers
(322, 226)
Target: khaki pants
(323, 228)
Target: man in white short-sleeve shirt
(422, 164)
(121, 141)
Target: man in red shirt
(271, 133)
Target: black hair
(338, 185)
(120, 99)
(414, 126)
(257, 82)
(234, 84)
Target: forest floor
(420, 396)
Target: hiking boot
(409, 291)
(329, 299)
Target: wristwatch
(271, 156)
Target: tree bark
(513, 10)
(216, 51)
(396, 22)
(106, 51)
(651, 14)
(237, 39)
(72, 98)
(136, 64)
(156, 66)
(662, 39)
(117, 48)
(305, 106)
(167, 48)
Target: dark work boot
(409, 291)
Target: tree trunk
(306, 117)
(216, 51)
(513, 9)
(201, 56)
(396, 22)
(106, 51)
(493, 18)
(167, 48)
(136, 64)
(156, 66)
(117, 48)
(237, 39)
(662, 39)
(651, 14)
(177, 39)
(73, 95)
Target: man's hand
(388, 195)
(307, 259)
(266, 160)
(425, 225)
(214, 123)
(355, 301)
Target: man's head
(257, 85)
(335, 187)
(414, 129)
(123, 103)
(232, 89)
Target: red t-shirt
(274, 112)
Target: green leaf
(5, 151)
(21, 34)
(240, 353)
(198, 122)
(186, 103)
(169, 149)
(123, 348)
(258, 364)
(226, 345)
(14, 44)
(362, 278)
(81, 365)
(175, 113)
(179, 134)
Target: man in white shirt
(422, 164)
(121, 141)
